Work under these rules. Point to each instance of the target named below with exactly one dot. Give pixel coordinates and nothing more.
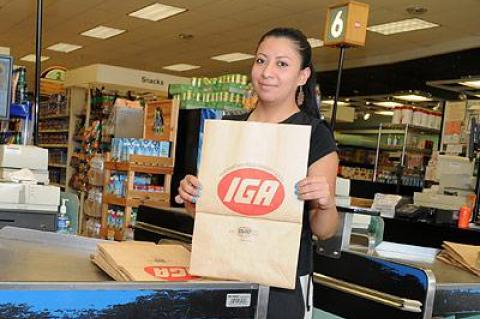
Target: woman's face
(276, 72)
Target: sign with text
(248, 219)
(346, 25)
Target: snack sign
(251, 191)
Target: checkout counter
(50, 275)
(356, 273)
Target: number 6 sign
(346, 24)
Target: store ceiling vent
(64, 47)
(406, 25)
(31, 58)
(156, 12)
(181, 67)
(315, 43)
(5, 50)
(103, 32)
(232, 57)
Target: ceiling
(223, 26)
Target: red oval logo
(251, 191)
(170, 273)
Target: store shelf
(354, 164)
(53, 131)
(390, 129)
(154, 196)
(58, 165)
(399, 148)
(56, 116)
(402, 127)
(53, 145)
(128, 166)
(120, 201)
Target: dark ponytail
(309, 104)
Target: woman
(284, 80)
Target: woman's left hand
(317, 190)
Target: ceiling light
(386, 113)
(102, 32)
(330, 102)
(64, 47)
(315, 43)
(413, 98)
(181, 67)
(402, 26)
(232, 57)
(388, 104)
(156, 12)
(473, 84)
(366, 116)
(32, 58)
(477, 95)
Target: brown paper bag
(248, 219)
(132, 261)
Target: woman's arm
(319, 189)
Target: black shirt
(321, 143)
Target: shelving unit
(115, 81)
(138, 164)
(53, 134)
(406, 160)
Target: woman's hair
(309, 104)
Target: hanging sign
(346, 25)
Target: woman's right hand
(189, 192)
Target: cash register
(26, 199)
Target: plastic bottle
(464, 216)
(62, 221)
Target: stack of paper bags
(143, 261)
(462, 256)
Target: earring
(300, 95)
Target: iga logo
(251, 191)
(169, 273)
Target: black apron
(286, 303)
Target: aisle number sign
(346, 24)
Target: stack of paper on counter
(143, 261)
(461, 256)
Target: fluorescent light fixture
(232, 57)
(156, 12)
(181, 67)
(477, 95)
(413, 98)
(473, 84)
(330, 102)
(315, 43)
(406, 25)
(5, 50)
(386, 113)
(64, 47)
(31, 58)
(102, 32)
(388, 104)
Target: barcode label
(238, 300)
